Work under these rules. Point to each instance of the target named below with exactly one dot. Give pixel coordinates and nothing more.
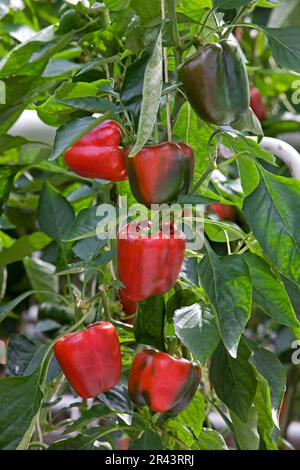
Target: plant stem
(173, 21)
(166, 78)
(205, 175)
(178, 102)
(108, 316)
(238, 17)
(69, 283)
(42, 445)
(210, 12)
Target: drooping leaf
(234, 379)
(152, 89)
(149, 322)
(196, 327)
(228, 286)
(132, 89)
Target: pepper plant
(148, 102)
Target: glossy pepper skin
(257, 104)
(90, 359)
(162, 382)
(149, 264)
(98, 154)
(158, 173)
(215, 82)
(224, 212)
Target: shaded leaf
(228, 286)
(234, 380)
(55, 213)
(149, 322)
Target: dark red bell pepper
(215, 82)
(98, 154)
(129, 307)
(257, 104)
(162, 382)
(223, 211)
(149, 264)
(158, 173)
(90, 359)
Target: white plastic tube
(282, 150)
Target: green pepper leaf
(234, 380)
(152, 90)
(227, 284)
(285, 46)
(20, 403)
(271, 212)
(55, 213)
(196, 327)
(149, 322)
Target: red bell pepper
(257, 104)
(162, 382)
(158, 173)
(149, 264)
(90, 359)
(223, 211)
(98, 154)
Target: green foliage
(235, 307)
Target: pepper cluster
(216, 84)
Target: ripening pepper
(215, 82)
(90, 359)
(149, 264)
(98, 154)
(257, 104)
(223, 211)
(158, 173)
(162, 382)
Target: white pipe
(30, 126)
(282, 150)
